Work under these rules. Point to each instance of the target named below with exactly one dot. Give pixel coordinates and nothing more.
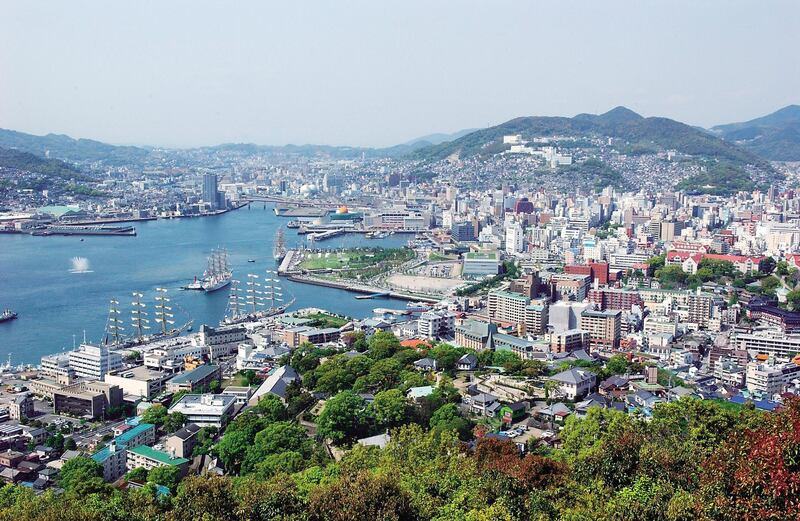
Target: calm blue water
(54, 304)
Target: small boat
(7, 315)
(251, 260)
(196, 285)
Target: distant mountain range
(641, 135)
(772, 137)
(775, 136)
(69, 149)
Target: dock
(374, 295)
(368, 291)
(323, 236)
(104, 230)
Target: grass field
(326, 320)
(357, 260)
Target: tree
(446, 356)
(767, 265)
(203, 498)
(383, 344)
(617, 364)
(271, 408)
(447, 418)
(249, 376)
(215, 387)
(656, 262)
(165, 475)
(139, 475)
(343, 417)
(174, 421)
(69, 444)
(232, 448)
(671, 275)
(56, 442)
(277, 438)
(366, 496)
(155, 414)
(781, 268)
(507, 360)
(82, 476)
(389, 407)
(793, 299)
(769, 284)
(205, 439)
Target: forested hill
(76, 150)
(32, 163)
(620, 123)
(775, 136)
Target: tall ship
(140, 323)
(262, 298)
(218, 273)
(279, 246)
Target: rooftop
(157, 455)
(195, 375)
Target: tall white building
(90, 361)
(515, 237)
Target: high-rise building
(210, 190)
(514, 238)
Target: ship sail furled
(114, 327)
(163, 312)
(139, 315)
(261, 300)
(234, 308)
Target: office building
(90, 361)
(206, 410)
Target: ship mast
(233, 300)
(114, 324)
(254, 298)
(139, 315)
(272, 290)
(163, 312)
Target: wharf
(367, 290)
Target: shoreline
(364, 290)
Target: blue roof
(121, 441)
(131, 433)
(764, 405)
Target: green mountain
(640, 133)
(32, 163)
(69, 149)
(775, 136)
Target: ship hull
(216, 286)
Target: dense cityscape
(551, 318)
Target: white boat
(218, 273)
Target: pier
(367, 291)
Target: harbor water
(57, 303)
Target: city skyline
(366, 75)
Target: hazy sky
(183, 73)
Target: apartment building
(436, 324)
(771, 378)
(603, 328)
(505, 306)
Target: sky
(183, 73)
